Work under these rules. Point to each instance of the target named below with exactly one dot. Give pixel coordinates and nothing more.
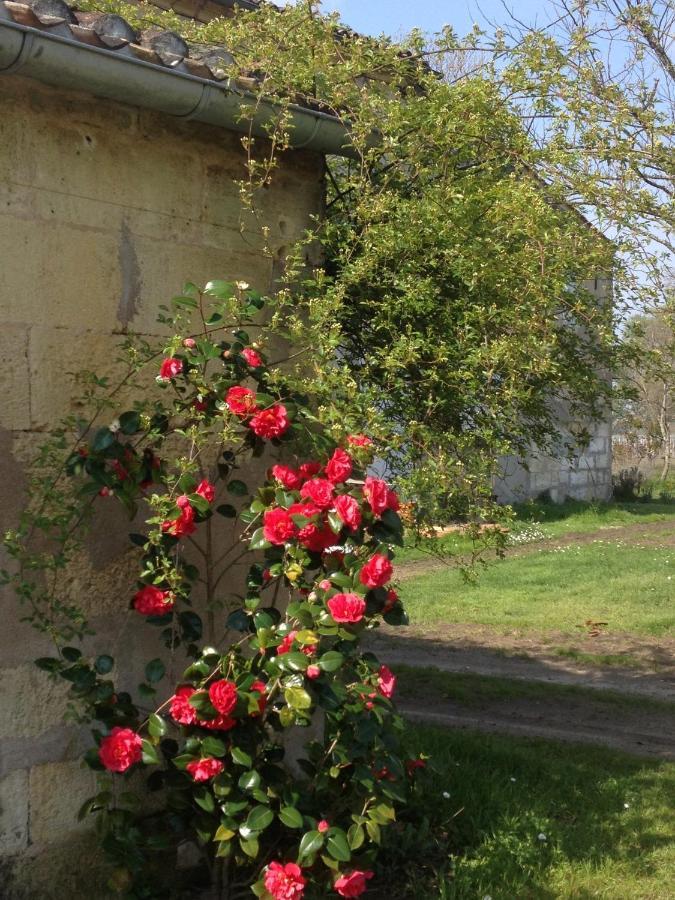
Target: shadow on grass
(534, 510)
(531, 820)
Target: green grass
(555, 520)
(577, 516)
(625, 586)
(609, 822)
(621, 660)
(478, 690)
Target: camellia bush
(311, 545)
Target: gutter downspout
(54, 58)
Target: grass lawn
(548, 520)
(608, 822)
(627, 587)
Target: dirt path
(641, 667)
(482, 650)
(478, 650)
(640, 733)
(638, 534)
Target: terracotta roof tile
(112, 32)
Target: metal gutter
(57, 60)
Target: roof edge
(59, 61)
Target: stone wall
(587, 476)
(105, 211)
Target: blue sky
(397, 16)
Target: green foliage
(457, 252)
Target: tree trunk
(664, 425)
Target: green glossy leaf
(331, 661)
(249, 781)
(250, 846)
(338, 845)
(238, 488)
(156, 726)
(291, 817)
(212, 746)
(259, 818)
(150, 755)
(155, 670)
(204, 798)
(104, 664)
(241, 758)
(355, 837)
(130, 422)
(311, 842)
(297, 698)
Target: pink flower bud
(322, 826)
(189, 343)
(313, 671)
(325, 585)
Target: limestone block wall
(105, 211)
(587, 476)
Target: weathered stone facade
(106, 210)
(587, 476)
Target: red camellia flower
(309, 470)
(182, 711)
(260, 687)
(348, 510)
(377, 571)
(151, 601)
(347, 607)
(170, 368)
(359, 440)
(223, 696)
(376, 493)
(285, 882)
(119, 470)
(205, 769)
(386, 682)
(241, 401)
(219, 723)
(120, 749)
(278, 526)
(413, 764)
(270, 423)
(392, 500)
(339, 466)
(206, 490)
(287, 477)
(352, 884)
(315, 538)
(184, 524)
(252, 357)
(287, 645)
(391, 601)
(319, 491)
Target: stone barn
(120, 157)
(583, 474)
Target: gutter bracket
(27, 40)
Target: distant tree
(652, 386)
